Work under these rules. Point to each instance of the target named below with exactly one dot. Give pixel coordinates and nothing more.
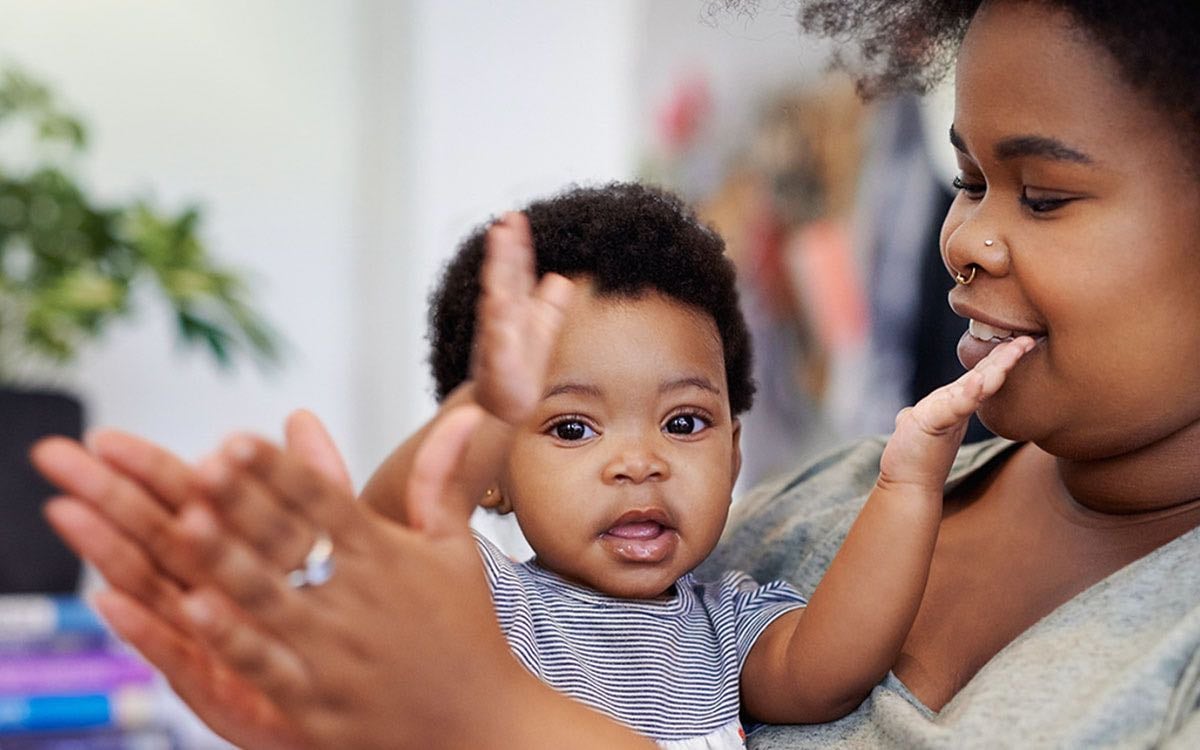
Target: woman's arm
(818, 664)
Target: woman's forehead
(1026, 71)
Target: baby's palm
(518, 323)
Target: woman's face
(1080, 208)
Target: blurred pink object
(685, 110)
(822, 266)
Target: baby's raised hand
(927, 436)
(518, 320)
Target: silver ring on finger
(317, 567)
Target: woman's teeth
(985, 332)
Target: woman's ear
(494, 500)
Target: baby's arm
(518, 323)
(818, 663)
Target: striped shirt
(668, 668)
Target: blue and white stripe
(668, 668)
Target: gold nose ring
(965, 280)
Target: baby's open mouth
(641, 536)
(637, 530)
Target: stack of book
(66, 683)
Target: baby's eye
(572, 430)
(685, 424)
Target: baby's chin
(640, 584)
(648, 593)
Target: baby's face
(621, 480)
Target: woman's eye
(685, 424)
(971, 189)
(1041, 204)
(572, 430)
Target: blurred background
(335, 152)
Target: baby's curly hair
(911, 44)
(627, 239)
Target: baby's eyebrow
(579, 389)
(691, 381)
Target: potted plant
(68, 265)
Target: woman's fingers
(122, 562)
(263, 494)
(308, 438)
(241, 574)
(139, 515)
(164, 475)
(300, 491)
(258, 657)
(233, 707)
(253, 511)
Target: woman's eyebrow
(1037, 145)
(1027, 145)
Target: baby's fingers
(994, 368)
(949, 406)
(508, 270)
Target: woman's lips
(640, 538)
(985, 332)
(981, 338)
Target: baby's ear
(495, 501)
(736, 465)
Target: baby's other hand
(518, 320)
(927, 436)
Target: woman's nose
(973, 244)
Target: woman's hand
(121, 516)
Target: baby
(612, 377)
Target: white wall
(472, 108)
(249, 108)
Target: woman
(1063, 603)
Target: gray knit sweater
(1118, 666)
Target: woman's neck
(1159, 479)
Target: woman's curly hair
(911, 44)
(627, 239)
